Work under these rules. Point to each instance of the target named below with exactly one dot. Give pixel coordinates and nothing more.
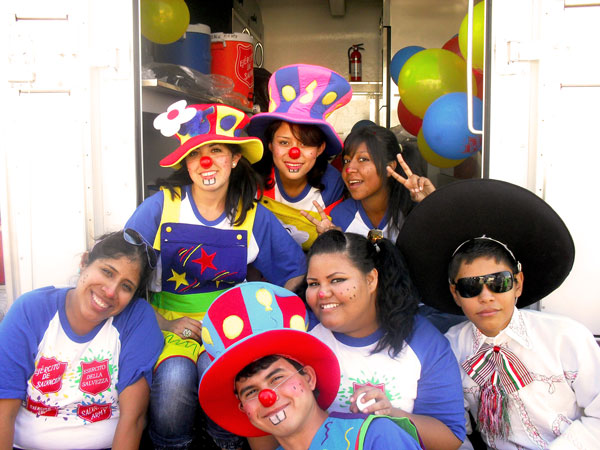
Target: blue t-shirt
(271, 249)
(424, 378)
(351, 217)
(70, 384)
(333, 188)
(340, 431)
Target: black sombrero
(468, 209)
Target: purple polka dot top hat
(246, 323)
(197, 125)
(304, 94)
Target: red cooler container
(232, 55)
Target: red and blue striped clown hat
(246, 323)
(304, 94)
(197, 125)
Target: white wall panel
(305, 32)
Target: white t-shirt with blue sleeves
(351, 217)
(70, 384)
(424, 378)
(331, 193)
(270, 249)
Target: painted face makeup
(104, 289)
(210, 166)
(341, 296)
(278, 398)
(292, 157)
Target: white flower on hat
(170, 121)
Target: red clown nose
(206, 162)
(267, 397)
(294, 153)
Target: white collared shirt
(560, 409)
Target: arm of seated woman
(434, 433)
(133, 403)
(9, 407)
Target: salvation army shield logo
(48, 375)
(244, 64)
(94, 413)
(95, 377)
(40, 409)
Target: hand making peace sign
(323, 225)
(419, 187)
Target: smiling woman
(208, 226)
(362, 295)
(76, 363)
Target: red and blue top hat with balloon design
(197, 125)
(246, 323)
(304, 94)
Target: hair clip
(374, 236)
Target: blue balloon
(445, 126)
(400, 58)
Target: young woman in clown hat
(296, 170)
(207, 226)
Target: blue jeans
(174, 406)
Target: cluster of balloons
(432, 84)
(164, 21)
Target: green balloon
(164, 21)
(478, 37)
(428, 75)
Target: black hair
(310, 135)
(243, 185)
(383, 148)
(396, 299)
(261, 364)
(114, 246)
(480, 248)
(261, 88)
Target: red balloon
(294, 153)
(452, 45)
(408, 120)
(267, 397)
(206, 162)
(479, 82)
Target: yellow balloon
(233, 326)
(432, 157)
(206, 337)
(429, 74)
(164, 21)
(263, 297)
(478, 37)
(297, 323)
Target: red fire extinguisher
(354, 62)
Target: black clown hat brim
(463, 210)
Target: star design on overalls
(206, 261)
(178, 278)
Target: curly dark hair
(244, 183)
(396, 299)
